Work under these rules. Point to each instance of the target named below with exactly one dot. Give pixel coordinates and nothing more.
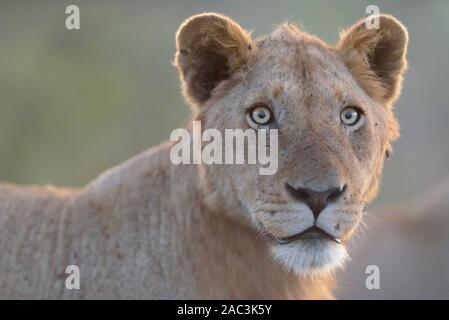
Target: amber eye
(261, 115)
(350, 116)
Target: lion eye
(261, 115)
(350, 116)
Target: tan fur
(150, 229)
(206, 41)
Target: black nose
(316, 200)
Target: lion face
(332, 108)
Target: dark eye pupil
(349, 115)
(261, 114)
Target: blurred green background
(73, 103)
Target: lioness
(152, 229)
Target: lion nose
(316, 200)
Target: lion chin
(310, 257)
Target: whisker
(371, 216)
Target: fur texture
(150, 229)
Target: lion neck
(228, 259)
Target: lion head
(332, 107)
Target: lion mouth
(314, 233)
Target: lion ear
(376, 57)
(209, 48)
